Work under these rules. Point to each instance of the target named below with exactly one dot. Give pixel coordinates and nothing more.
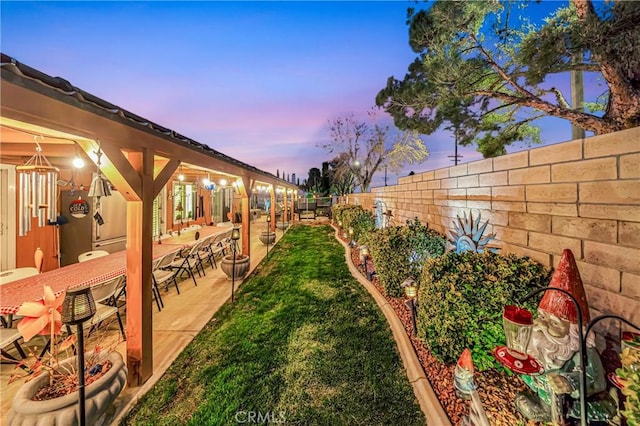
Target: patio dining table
(188, 239)
(92, 272)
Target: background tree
(484, 65)
(314, 182)
(367, 147)
(341, 177)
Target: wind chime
(37, 190)
(99, 185)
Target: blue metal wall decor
(467, 235)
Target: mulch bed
(497, 390)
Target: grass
(304, 344)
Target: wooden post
(139, 260)
(245, 192)
(272, 208)
(285, 216)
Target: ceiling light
(78, 162)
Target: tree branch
(501, 72)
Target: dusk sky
(258, 81)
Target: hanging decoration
(37, 190)
(99, 185)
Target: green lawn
(304, 342)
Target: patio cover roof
(140, 158)
(18, 78)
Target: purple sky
(258, 81)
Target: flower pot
(99, 396)
(267, 237)
(242, 266)
(282, 225)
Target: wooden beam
(164, 176)
(123, 164)
(139, 280)
(118, 172)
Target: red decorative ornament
(566, 277)
(528, 366)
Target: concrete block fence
(583, 195)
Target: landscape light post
(268, 232)
(78, 306)
(235, 236)
(411, 291)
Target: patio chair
(155, 292)
(10, 276)
(164, 274)
(218, 247)
(120, 299)
(205, 253)
(189, 262)
(105, 294)
(83, 257)
(10, 336)
(17, 274)
(226, 241)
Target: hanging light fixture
(37, 190)
(77, 162)
(180, 175)
(99, 185)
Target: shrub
(424, 243)
(362, 223)
(399, 252)
(340, 212)
(354, 216)
(461, 299)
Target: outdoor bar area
(96, 197)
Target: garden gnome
(463, 375)
(466, 389)
(555, 345)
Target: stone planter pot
(281, 225)
(99, 396)
(267, 237)
(242, 266)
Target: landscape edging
(429, 402)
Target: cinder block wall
(583, 195)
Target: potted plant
(50, 390)
(242, 263)
(267, 237)
(282, 225)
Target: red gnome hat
(566, 277)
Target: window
(183, 202)
(159, 214)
